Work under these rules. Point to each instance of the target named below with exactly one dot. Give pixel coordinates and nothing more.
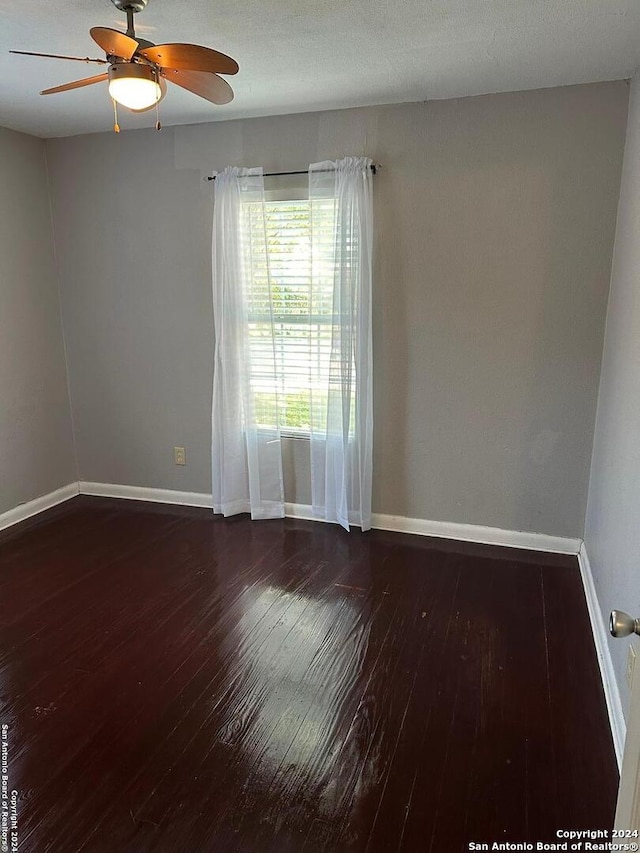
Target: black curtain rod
(373, 168)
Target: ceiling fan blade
(208, 86)
(163, 88)
(190, 57)
(57, 56)
(113, 42)
(77, 84)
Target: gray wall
(495, 222)
(36, 440)
(612, 530)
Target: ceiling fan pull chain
(116, 126)
(158, 125)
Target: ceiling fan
(138, 68)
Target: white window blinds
(291, 322)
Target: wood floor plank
(512, 769)
(240, 638)
(390, 811)
(577, 704)
(38, 581)
(171, 656)
(450, 721)
(175, 681)
(311, 772)
(390, 706)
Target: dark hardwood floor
(178, 682)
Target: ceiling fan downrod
(130, 7)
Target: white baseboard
(400, 524)
(478, 533)
(440, 529)
(601, 639)
(141, 493)
(460, 532)
(26, 510)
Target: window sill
(295, 433)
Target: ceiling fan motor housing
(130, 5)
(131, 70)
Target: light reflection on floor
(290, 684)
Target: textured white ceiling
(302, 55)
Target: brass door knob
(622, 625)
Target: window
(290, 312)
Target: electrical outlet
(631, 662)
(179, 456)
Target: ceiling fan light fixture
(134, 85)
(138, 70)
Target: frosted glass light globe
(133, 85)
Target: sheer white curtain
(341, 224)
(246, 460)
